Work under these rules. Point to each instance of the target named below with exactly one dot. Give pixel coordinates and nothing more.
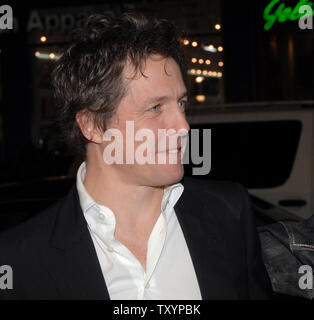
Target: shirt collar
(86, 201)
(171, 194)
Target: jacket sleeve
(282, 262)
(259, 286)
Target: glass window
(256, 154)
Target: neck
(135, 206)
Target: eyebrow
(162, 99)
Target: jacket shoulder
(33, 231)
(231, 194)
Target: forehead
(157, 76)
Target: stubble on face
(161, 78)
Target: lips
(176, 150)
(173, 151)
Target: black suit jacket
(53, 256)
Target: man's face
(154, 101)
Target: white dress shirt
(169, 270)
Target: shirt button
(110, 249)
(101, 216)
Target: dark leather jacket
(286, 246)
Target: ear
(88, 127)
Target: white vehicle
(268, 147)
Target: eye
(183, 104)
(155, 108)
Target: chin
(169, 174)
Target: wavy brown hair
(88, 76)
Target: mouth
(176, 150)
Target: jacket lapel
(74, 267)
(204, 236)
(72, 261)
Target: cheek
(147, 129)
(113, 142)
(151, 136)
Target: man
(131, 230)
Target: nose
(178, 120)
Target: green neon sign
(278, 11)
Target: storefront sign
(48, 22)
(278, 11)
(54, 22)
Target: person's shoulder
(297, 235)
(231, 193)
(34, 231)
(210, 185)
